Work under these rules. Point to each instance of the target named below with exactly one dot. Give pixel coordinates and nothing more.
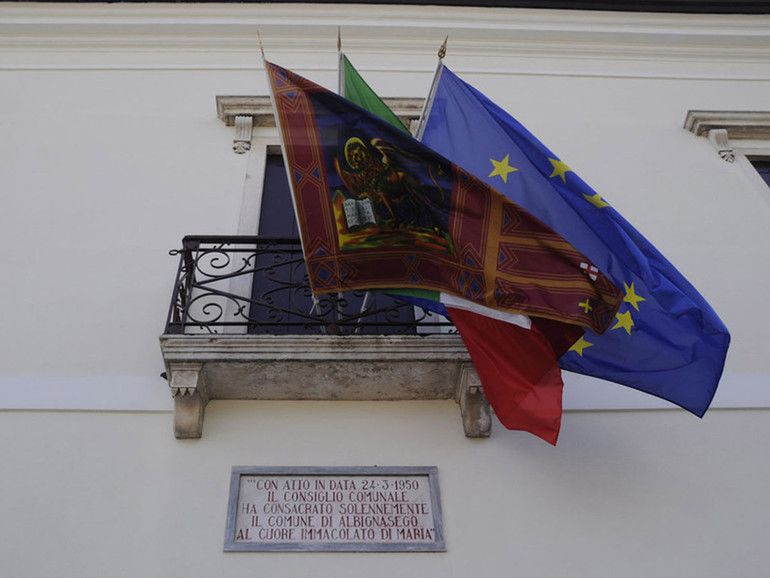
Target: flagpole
(432, 93)
(341, 92)
(340, 65)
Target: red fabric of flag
(518, 371)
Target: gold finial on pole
(261, 48)
(442, 50)
(339, 40)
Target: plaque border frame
(230, 545)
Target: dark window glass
(277, 214)
(281, 294)
(763, 168)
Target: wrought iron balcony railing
(259, 285)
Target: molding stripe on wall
(151, 394)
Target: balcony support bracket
(190, 398)
(474, 407)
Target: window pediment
(247, 112)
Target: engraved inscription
(326, 511)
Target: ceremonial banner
(665, 340)
(377, 209)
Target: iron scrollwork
(259, 285)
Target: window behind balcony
(281, 295)
(763, 168)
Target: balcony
(243, 324)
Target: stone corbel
(718, 137)
(474, 407)
(190, 398)
(243, 127)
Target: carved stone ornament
(242, 141)
(718, 138)
(724, 127)
(474, 407)
(190, 398)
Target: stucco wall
(111, 152)
(636, 494)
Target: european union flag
(665, 340)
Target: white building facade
(113, 150)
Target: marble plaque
(365, 509)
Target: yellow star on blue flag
(596, 200)
(624, 321)
(560, 169)
(580, 345)
(631, 296)
(502, 168)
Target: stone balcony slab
(319, 367)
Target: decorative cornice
(738, 124)
(681, 6)
(478, 31)
(722, 126)
(247, 348)
(260, 109)
(257, 107)
(246, 112)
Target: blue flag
(665, 340)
